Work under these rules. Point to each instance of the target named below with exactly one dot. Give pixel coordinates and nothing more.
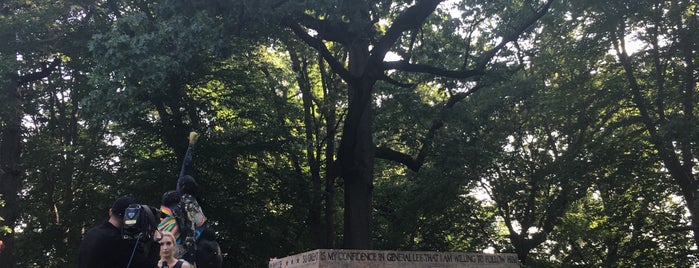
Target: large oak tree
(368, 31)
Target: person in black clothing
(103, 246)
(183, 217)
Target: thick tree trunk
(10, 173)
(356, 157)
(523, 253)
(524, 245)
(10, 152)
(357, 172)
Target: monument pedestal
(348, 258)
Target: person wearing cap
(104, 246)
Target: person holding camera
(167, 253)
(104, 245)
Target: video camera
(140, 222)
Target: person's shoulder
(100, 225)
(185, 264)
(100, 229)
(109, 228)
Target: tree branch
(327, 30)
(415, 15)
(403, 65)
(514, 35)
(316, 43)
(416, 163)
(396, 83)
(393, 155)
(412, 18)
(46, 70)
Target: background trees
(357, 28)
(662, 80)
(37, 42)
(564, 132)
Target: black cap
(120, 205)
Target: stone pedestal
(347, 258)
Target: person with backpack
(184, 218)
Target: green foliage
(432, 211)
(553, 133)
(3, 228)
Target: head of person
(171, 198)
(116, 213)
(188, 185)
(167, 245)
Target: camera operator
(105, 246)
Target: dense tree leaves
(367, 31)
(655, 53)
(37, 40)
(415, 125)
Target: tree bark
(356, 151)
(10, 173)
(356, 159)
(10, 152)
